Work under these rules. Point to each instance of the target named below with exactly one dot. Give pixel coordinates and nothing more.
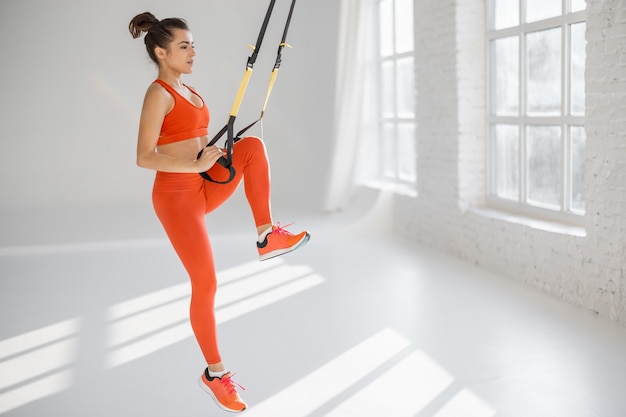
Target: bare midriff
(185, 149)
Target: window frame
(522, 120)
(396, 180)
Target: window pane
(578, 57)
(397, 145)
(533, 78)
(577, 140)
(404, 26)
(506, 161)
(387, 88)
(544, 72)
(543, 147)
(578, 5)
(505, 77)
(505, 13)
(406, 152)
(388, 150)
(386, 27)
(542, 9)
(406, 87)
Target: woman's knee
(253, 143)
(203, 288)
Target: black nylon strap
(223, 162)
(284, 38)
(259, 40)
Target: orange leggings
(182, 200)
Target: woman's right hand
(209, 156)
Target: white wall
(585, 266)
(73, 79)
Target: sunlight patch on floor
(151, 322)
(322, 385)
(390, 377)
(402, 391)
(37, 364)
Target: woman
(172, 130)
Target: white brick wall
(588, 271)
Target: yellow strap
(271, 84)
(269, 89)
(241, 92)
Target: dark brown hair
(159, 33)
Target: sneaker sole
(279, 252)
(219, 404)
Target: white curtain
(355, 120)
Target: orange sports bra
(185, 120)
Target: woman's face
(180, 53)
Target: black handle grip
(223, 162)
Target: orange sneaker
(223, 391)
(279, 241)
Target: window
(536, 106)
(396, 85)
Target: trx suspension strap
(226, 162)
(279, 58)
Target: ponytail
(159, 33)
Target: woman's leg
(251, 164)
(182, 215)
(179, 202)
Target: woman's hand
(208, 158)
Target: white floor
(358, 323)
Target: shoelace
(281, 229)
(229, 384)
